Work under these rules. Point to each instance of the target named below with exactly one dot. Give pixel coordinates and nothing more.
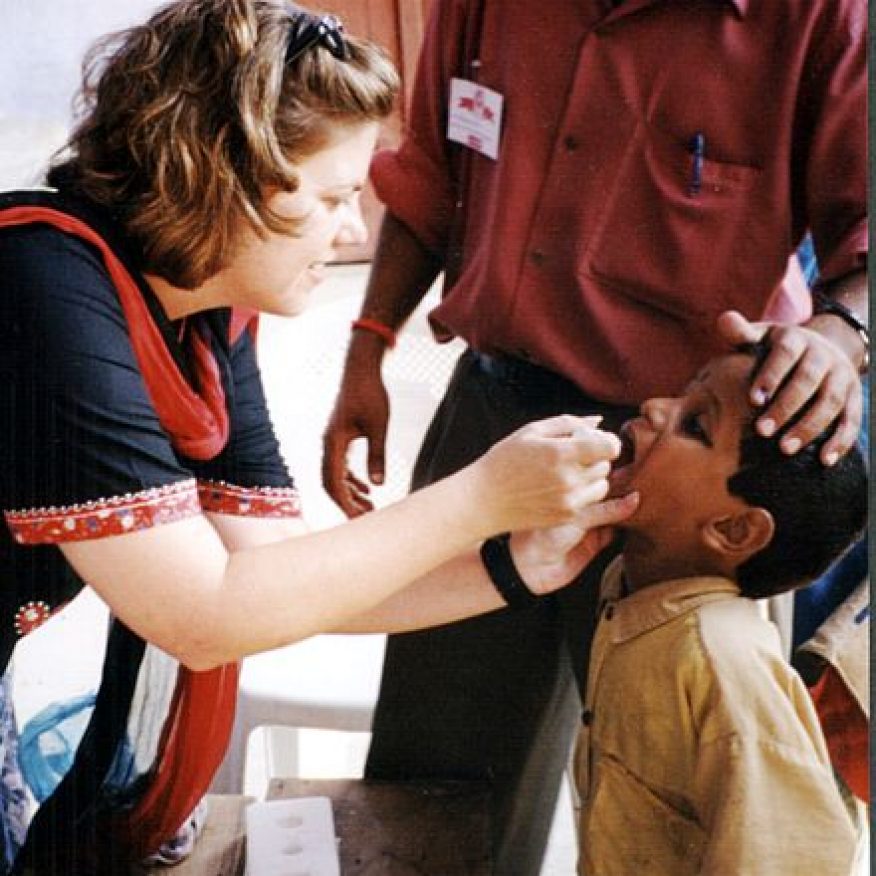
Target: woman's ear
(740, 536)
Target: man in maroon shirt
(657, 164)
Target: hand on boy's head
(803, 368)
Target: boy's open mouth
(621, 468)
(628, 447)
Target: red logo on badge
(477, 105)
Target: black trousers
(493, 698)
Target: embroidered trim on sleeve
(225, 498)
(31, 615)
(103, 517)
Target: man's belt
(539, 387)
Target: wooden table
(404, 828)
(385, 828)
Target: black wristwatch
(823, 304)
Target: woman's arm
(178, 585)
(460, 588)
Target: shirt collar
(658, 604)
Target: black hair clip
(307, 30)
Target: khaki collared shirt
(701, 752)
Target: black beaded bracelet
(822, 304)
(497, 559)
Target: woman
(216, 167)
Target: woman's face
(277, 273)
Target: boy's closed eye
(693, 425)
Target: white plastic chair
(326, 682)
(330, 682)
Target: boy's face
(679, 453)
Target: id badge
(474, 117)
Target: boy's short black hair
(819, 510)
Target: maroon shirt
(586, 250)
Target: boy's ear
(741, 535)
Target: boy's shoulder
(748, 673)
(736, 630)
(749, 690)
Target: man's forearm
(401, 274)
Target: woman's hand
(548, 559)
(547, 473)
(803, 366)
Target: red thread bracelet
(377, 328)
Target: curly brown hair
(189, 119)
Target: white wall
(43, 45)
(44, 42)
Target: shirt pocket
(681, 236)
(629, 828)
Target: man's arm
(821, 360)
(402, 272)
(419, 187)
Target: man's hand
(361, 411)
(803, 365)
(401, 273)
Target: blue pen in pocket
(697, 150)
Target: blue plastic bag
(48, 743)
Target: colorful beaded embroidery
(102, 517)
(30, 616)
(224, 498)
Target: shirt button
(537, 256)
(586, 717)
(571, 143)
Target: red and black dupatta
(68, 828)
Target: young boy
(700, 750)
